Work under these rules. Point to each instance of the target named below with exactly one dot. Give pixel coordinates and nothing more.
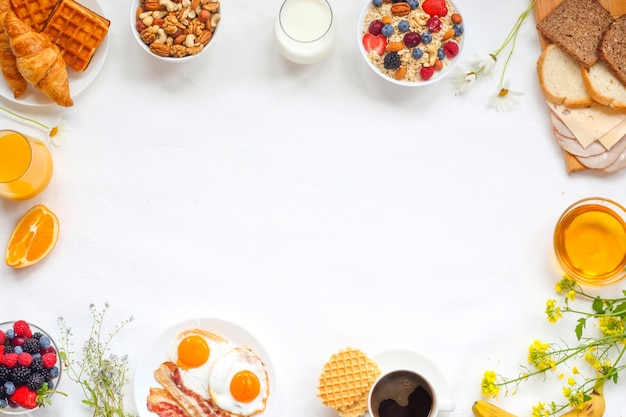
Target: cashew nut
(215, 18)
(147, 20)
(169, 5)
(190, 40)
(161, 36)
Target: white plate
(391, 360)
(79, 81)
(155, 354)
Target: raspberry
(3, 337)
(24, 359)
(435, 7)
(426, 73)
(433, 24)
(22, 329)
(9, 359)
(49, 359)
(451, 49)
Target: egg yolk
(245, 386)
(193, 351)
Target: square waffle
(77, 30)
(33, 12)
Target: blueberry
(387, 30)
(440, 55)
(458, 30)
(403, 26)
(36, 355)
(377, 3)
(3, 403)
(417, 53)
(427, 37)
(18, 350)
(54, 372)
(10, 333)
(44, 342)
(50, 384)
(9, 387)
(413, 4)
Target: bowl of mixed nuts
(175, 30)
(411, 42)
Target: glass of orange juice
(25, 165)
(590, 241)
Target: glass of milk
(305, 30)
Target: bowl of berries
(411, 42)
(30, 368)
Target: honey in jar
(590, 241)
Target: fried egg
(238, 383)
(194, 352)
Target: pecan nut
(204, 37)
(400, 9)
(151, 5)
(160, 49)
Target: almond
(394, 46)
(400, 73)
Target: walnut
(193, 50)
(212, 7)
(178, 51)
(196, 27)
(148, 35)
(170, 24)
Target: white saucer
(390, 360)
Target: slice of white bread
(561, 78)
(604, 87)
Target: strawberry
(376, 43)
(435, 7)
(24, 397)
(3, 337)
(426, 73)
(22, 329)
(49, 360)
(9, 359)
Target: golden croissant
(39, 60)
(11, 74)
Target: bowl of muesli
(175, 31)
(411, 42)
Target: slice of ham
(566, 140)
(188, 401)
(605, 159)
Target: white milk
(305, 30)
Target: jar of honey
(590, 241)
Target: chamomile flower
(505, 99)
(463, 79)
(56, 132)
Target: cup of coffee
(405, 393)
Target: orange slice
(33, 237)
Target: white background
(316, 206)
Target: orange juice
(590, 242)
(25, 166)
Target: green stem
(19, 116)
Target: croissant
(39, 60)
(11, 74)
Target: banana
(592, 408)
(486, 409)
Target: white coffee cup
(405, 391)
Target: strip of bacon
(168, 376)
(160, 402)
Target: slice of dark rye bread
(613, 48)
(577, 26)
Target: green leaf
(580, 327)
(598, 305)
(620, 309)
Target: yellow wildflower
(539, 355)
(611, 326)
(540, 410)
(575, 370)
(571, 294)
(571, 381)
(553, 311)
(488, 385)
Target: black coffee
(420, 403)
(401, 393)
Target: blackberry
(4, 374)
(37, 335)
(31, 345)
(35, 381)
(3, 393)
(36, 365)
(392, 60)
(9, 349)
(19, 375)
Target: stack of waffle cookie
(346, 380)
(74, 28)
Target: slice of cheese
(613, 136)
(590, 123)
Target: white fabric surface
(317, 206)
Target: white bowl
(135, 4)
(10, 410)
(449, 63)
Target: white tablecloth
(316, 206)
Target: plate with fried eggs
(217, 360)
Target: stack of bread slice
(582, 74)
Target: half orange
(33, 237)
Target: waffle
(77, 30)
(33, 12)
(345, 380)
